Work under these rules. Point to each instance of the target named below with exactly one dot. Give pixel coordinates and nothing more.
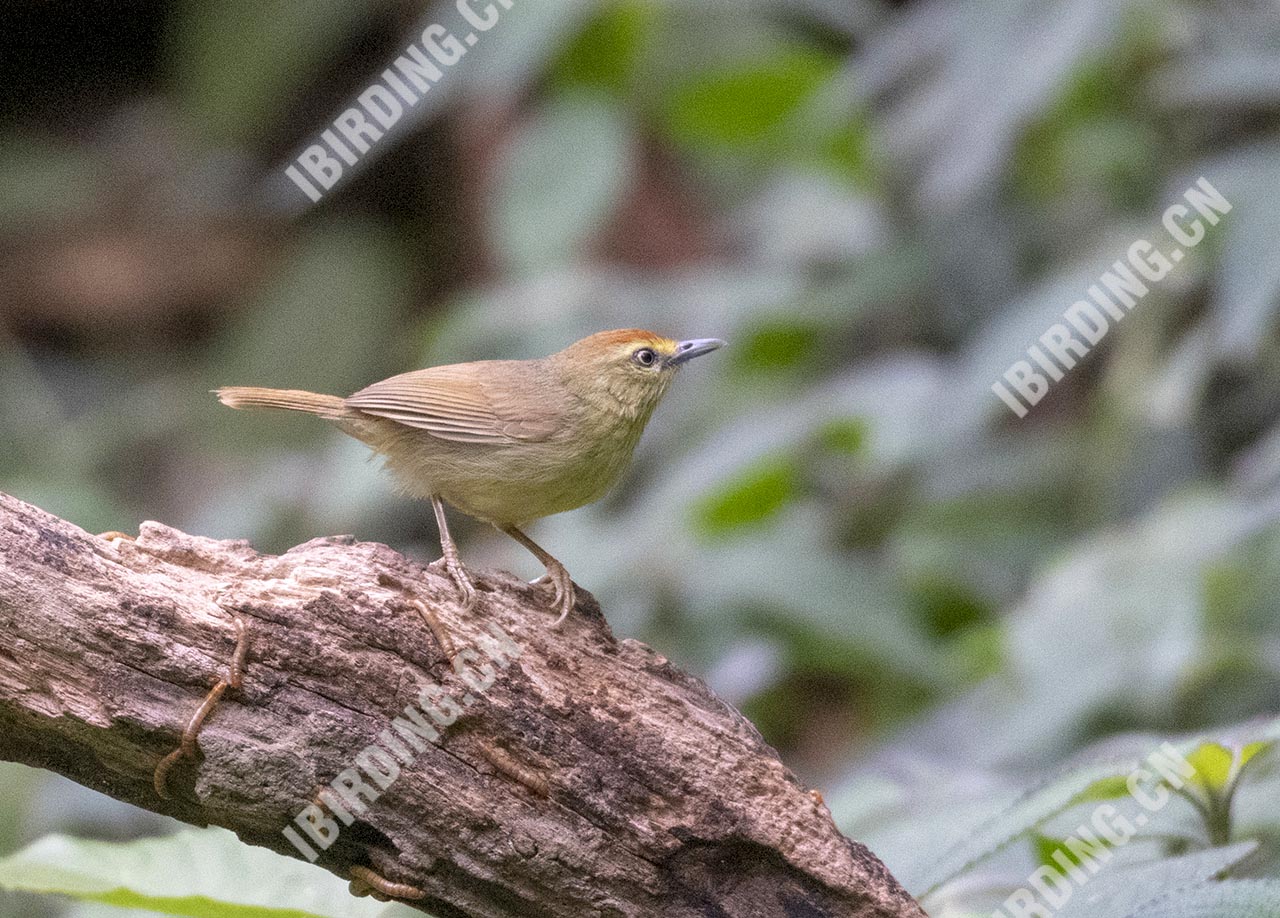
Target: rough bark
(590, 778)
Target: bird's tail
(326, 406)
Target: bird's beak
(694, 347)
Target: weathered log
(583, 776)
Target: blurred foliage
(192, 872)
(938, 612)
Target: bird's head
(629, 368)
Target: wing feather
(464, 403)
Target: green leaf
(1112, 788)
(748, 104)
(847, 151)
(1046, 847)
(197, 873)
(845, 435)
(978, 651)
(780, 345)
(1213, 763)
(604, 53)
(1251, 750)
(751, 497)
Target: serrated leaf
(200, 873)
(1229, 899)
(1117, 891)
(1015, 821)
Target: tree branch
(583, 776)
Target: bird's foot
(563, 597)
(461, 579)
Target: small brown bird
(507, 441)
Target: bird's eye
(646, 357)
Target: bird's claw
(462, 580)
(466, 591)
(563, 598)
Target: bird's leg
(452, 563)
(556, 573)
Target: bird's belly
(505, 484)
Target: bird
(506, 441)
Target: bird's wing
(462, 403)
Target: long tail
(326, 406)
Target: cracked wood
(661, 800)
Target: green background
(929, 607)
